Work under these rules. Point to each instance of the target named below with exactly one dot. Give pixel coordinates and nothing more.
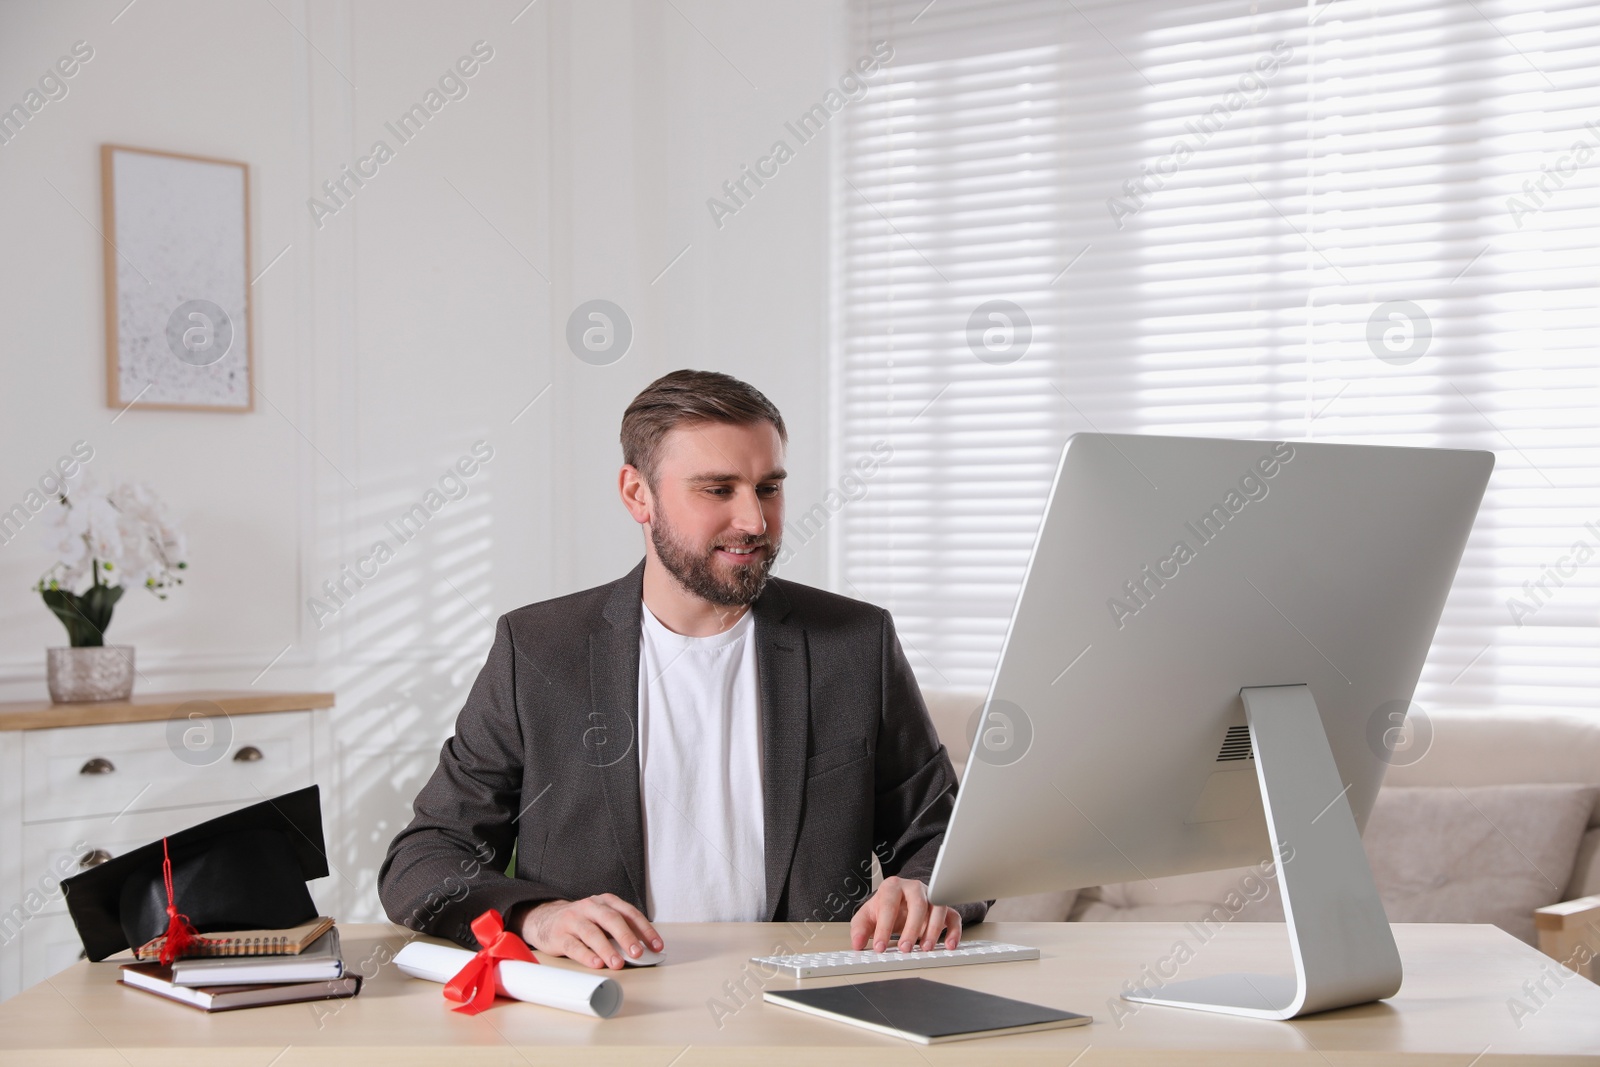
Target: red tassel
(181, 933)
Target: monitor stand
(1343, 949)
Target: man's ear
(635, 493)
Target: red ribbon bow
(474, 986)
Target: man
(694, 742)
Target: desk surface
(1459, 984)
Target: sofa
(1496, 820)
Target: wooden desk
(1453, 1004)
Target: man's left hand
(901, 904)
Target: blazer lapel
(785, 723)
(612, 739)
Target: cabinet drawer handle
(247, 754)
(93, 858)
(98, 765)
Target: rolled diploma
(554, 987)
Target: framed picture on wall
(177, 273)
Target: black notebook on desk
(919, 1010)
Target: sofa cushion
(1480, 854)
(1038, 908)
(1245, 894)
(1500, 748)
(1484, 854)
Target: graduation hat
(246, 870)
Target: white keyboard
(824, 964)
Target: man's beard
(697, 572)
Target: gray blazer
(543, 758)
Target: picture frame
(178, 306)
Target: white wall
(420, 318)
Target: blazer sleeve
(448, 866)
(916, 784)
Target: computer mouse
(647, 958)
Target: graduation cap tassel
(180, 932)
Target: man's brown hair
(687, 397)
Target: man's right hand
(577, 929)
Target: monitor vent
(1236, 745)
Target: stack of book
(248, 968)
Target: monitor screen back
(1168, 574)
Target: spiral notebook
(322, 962)
(287, 942)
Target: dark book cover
(920, 1010)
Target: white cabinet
(87, 771)
(74, 795)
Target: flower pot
(77, 675)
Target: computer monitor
(1213, 645)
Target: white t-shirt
(700, 774)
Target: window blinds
(1351, 221)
